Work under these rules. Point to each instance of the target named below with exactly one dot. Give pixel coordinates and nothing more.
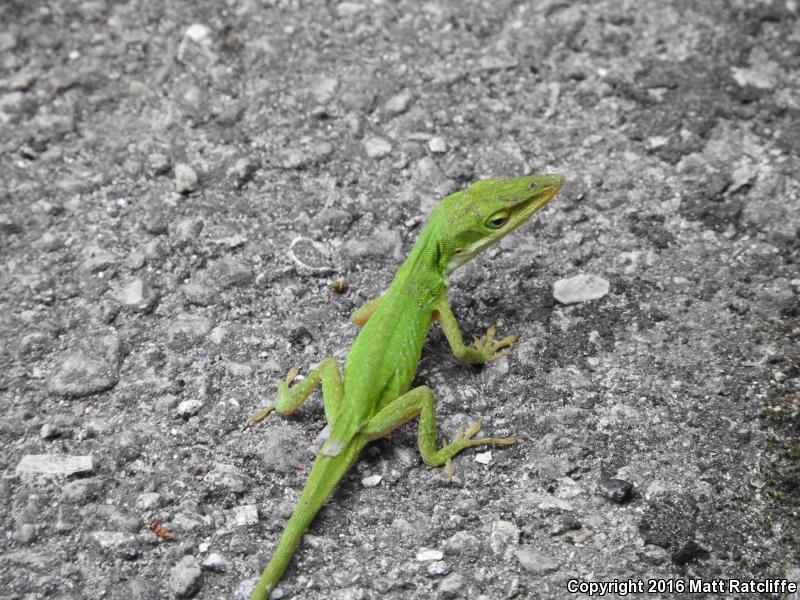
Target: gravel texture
(182, 182)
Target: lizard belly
(383, 367)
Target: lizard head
(487, 211)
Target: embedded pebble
(760, 79)
(155, 251)
(377, 147)
(425, 555)
(154, 221)
(323, 88)
(123, 545)
(148, 500)
(398, 103)
(49, 431)
(567, 488)
(51, 241)
(8, 224)
(189, 408)
(34, 343)
(199, 293)
(135, 260)
(159, 164)
(185, 178)
(217, 335)
(452, 585)
(238, 369)
(371, 481)
(505, 534)
(295, 159)
(462, 542)
(348, 9)
(381, 243)
(535, 562)
(228, 477)
(192, 326)
(580, 288)
(97, 259)
(25, 534)
(197, 32)
(245, 515)
(81, 375)
(242, 171)
(79, 491)
(54, 464)
(185, 577)
(189, 228)
(438, 568)
(616, 490)
(137, 296)
(437, 145)
(8, 41)
(483, 458)
(230, 272)
(214, 562)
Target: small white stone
(148, 500)
(323, 89)
(197, 32)
(185, 178)
(52, 464)
(371, 481)
(536, 562)
(398, 103)
(185, 577)
(376, 147)
(580, 288)
(347, 9)
(424, 554)
(131, 294)
(484, 457)
(757, 78)
(567, 488)
(190, 407)
(437, 145)
(217, 335)
(656, 141)
(244, 515)
(504, 535)
(214, 562)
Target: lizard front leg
(291, 398)
(362, 314)
(483, 349)
(419, 401)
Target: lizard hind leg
(420, 401)
(291, 397)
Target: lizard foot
(283, 390)
(468, 438)
(489, 348)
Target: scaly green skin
(374, 396)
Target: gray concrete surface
(180, 182)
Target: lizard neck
(420, 277)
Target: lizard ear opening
(497, 220)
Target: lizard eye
(497, 220)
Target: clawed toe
(489, 347)
(291, 375)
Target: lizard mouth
(544, 188)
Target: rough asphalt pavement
(182, 182)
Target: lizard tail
(325, 474)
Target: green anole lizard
(373, 397)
